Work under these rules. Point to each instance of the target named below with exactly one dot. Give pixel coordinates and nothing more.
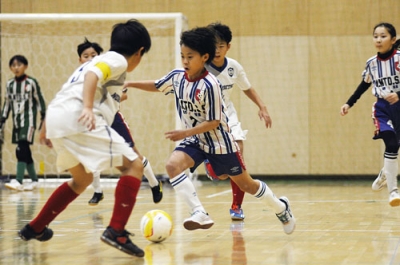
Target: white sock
(391, 168)
(185, 189)
(148, 173)
(265, 193)
(96, 182)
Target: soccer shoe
(14, 185)
(379, 182)
(394, 198)
(210, 171)
(97, 197)
(28, 186)
(157, 192)
(286, 217)
(35, 184)
(27, 233)
(236, 213)
(121, 241)
(198, 220)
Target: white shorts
(234, 125)
(97, 150)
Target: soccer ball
(156, 225)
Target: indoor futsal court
(338, 222)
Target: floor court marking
(218, 194)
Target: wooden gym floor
(338, 222)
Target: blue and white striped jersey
(198, 101)
(383, 74)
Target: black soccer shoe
(121, 241)
(157, 192)
(27, 233)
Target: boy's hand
(175, 135)
(344, 109)
(88, 119)
(45, 142)
(263, 114)
(392, 98)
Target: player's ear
(205, 57)
(228, 46)
(140, 51)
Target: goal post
(49, 42)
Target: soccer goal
(49, 42)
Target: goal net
(49, 42)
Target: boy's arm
(42, 136)
(146, 85)
(39, 97)
(262, 112)
(87, 117)
(203, 127)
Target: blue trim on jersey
(392, 69)
(167, 78)
(211, 97)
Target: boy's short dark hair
(127, 38)
(200, 39)
(18, 58)
(86, 45)
(222, 32)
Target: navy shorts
(120, 126)
(386, 117)
(231, 164)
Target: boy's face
(87, 55)
(221, 49)
(193, 62)
(18, 68)
(134, 60)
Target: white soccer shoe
(14, 185)
(198, 220)
(30, 186)
(286, 217)
(379, 182)
(394, 198)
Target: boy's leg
(260, 190)
(236, 210)
(156, 186)
(125, 197)
(176, 165)
(98, 191)
(57, 202)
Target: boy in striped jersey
(206, 134)
(24, 99)
(86, 52)
(231, 74)
(383, 72)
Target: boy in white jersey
(206, 134)
(231, 74)
(383, 72)
(78, 127)
(86, 52)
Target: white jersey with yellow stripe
(65, 109)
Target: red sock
(57, 202)
(125, 198)
(237, 194)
